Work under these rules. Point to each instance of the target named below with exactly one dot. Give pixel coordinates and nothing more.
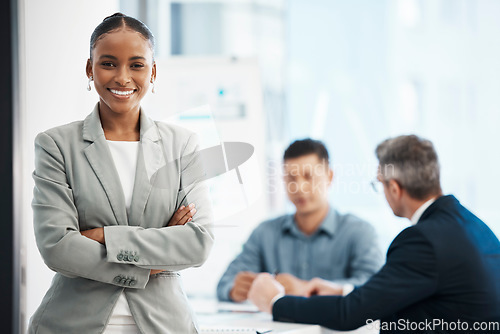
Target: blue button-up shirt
(343, 249)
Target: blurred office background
(350, 73)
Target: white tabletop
(235, 317)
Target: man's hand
(293, 285)
(242, 283)
(183, 215)
(318, 286)
(263, 290)
(96, 234)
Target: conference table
(216, 317)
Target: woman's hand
(183, 215)
(155, 271)
(96, 234)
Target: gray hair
(412, 162)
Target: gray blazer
(77, 188)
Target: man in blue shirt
(315, 243)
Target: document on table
(237, 307)
(232, 330)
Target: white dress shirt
(418, 213)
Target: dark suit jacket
(446, 267)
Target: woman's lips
(122, 93)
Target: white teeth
(122, 92)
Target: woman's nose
(122, 77)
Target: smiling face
(122, 68)
(307, 179)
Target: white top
(418, 213)
(124, 155)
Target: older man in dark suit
(441, 275)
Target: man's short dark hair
(305, 147)
(413, 162)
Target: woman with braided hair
(116, 238)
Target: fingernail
(182, 207)
(193, 210)
(190, 219)
(191, 205)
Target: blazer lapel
(150, 159)
(102, 163)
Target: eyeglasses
(377, 186)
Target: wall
(56, 42)
(361, 71)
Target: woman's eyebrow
(137, 57)
(113, 57)
(108, 56)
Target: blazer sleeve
(410, 275)
(171, 248)
(57, 232)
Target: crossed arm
(182, 216)
(75, 254)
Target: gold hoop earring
(88, 85)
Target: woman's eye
(137, 65)
(107, 64)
